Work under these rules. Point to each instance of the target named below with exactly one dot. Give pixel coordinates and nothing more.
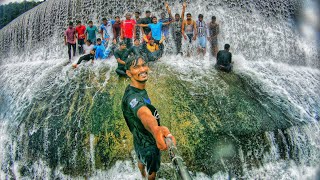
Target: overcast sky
(9, 1)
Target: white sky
(9, 1)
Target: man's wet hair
(136, 40)
(70, 23)
(153, 17)
(99, 39)
(104, 19)
(89, 41)
(147, 11)
(188, 14)
(226, 46)
(132, 61)
(138, 12)
(117, 17)
(200, 16)
(177, 14)
(90, 22)
(213, 18)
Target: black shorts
(150, 157)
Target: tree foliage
(9, 12)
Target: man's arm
(162, 39)
(142, 25)
(75, 38)
(121, 61)
(145, 38)
(65, 39)
(134, 30)
(183, 10)
(169, 10)
(101, 32)
(114, 32)
(166, 23)
(150, 123)
(195, 29)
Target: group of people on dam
(145, 37)
(134, 43)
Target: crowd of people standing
(142, 37)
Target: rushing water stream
(259, 122)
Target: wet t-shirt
(132, 101)
(80, 30)
(122, 55)
(224, 58)
(156, 30)
(127, 27)
(92, 33)
(69, 33)
(146, 20)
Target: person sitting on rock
(86, 57)
(224, 59)
(153, 51)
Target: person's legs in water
(142, 169)
(225, 68)
(80, 46)
(178, 38)
(190, 36)
(69, 51)
(74, 49)
(202, 45)
(214, 47)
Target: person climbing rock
(224, 59)
(143, 120)
(121, 56)
(86, 57)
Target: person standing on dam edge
(143, 119)
(70, 39)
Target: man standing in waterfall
(213, 32)
(143, 119)
(128, 30)
(177, 26)
(202, 31)
(80, 30)
(70, 39)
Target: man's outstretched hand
(160, 133)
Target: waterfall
(260, 122)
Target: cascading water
(260, 122)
